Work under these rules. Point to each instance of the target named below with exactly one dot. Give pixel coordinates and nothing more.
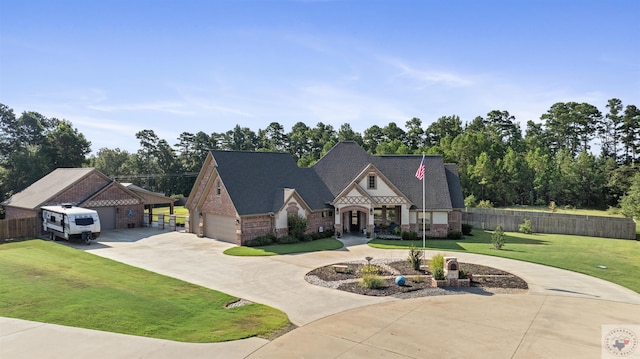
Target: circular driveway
(561, 316)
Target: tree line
(576, 156)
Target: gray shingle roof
(47, 187)
(455, 188)
(346, 159)
(255, 180)
(401, 171)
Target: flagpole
(424, 232)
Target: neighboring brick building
(117, 206)
(240, 195)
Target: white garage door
(107, 217)
(222, 228)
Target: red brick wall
(253, 227)
(281, 232)
(455, 221)
(218, 204)
(81, 190)
(123, 201)
(199, 187)
(439, 231)
(315, 221)
(15, 212)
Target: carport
(151, 199)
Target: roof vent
(67, 205)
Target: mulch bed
(485, 278)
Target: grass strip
(575, 253)
(52, 283)
(324, 244)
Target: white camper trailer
(68, 222)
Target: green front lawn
(575, 253)
(52, 283)
(324, 244)
(562, 210)
(180, 212)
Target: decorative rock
(400, 280)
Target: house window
(392, 215)
(218, 188)
(372, 182)
(327, 214)
(426, 219)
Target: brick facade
(256, 226)
(438, 231)
(201, 183)
(129, 209)
(15, 213)
(316, 220)
(455, 221)
(209, 196)
(82, 190)
(219, 204)
(94, 191)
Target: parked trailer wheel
(87, 238)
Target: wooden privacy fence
(19, 228)
(541, 222)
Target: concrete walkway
(560, 317)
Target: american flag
(420, 171)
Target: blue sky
(115, 67)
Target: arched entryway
(354, 219)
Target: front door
(354, 224)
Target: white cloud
(173, 107)
(426, 78)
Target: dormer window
(372, 181)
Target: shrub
(372, 281)
(415, 257)
(438, 274)
(410, 235)
(306, 238)
(297, 226)
(260, 241)
(462, 274)
(485, 204)
(417, 278)
(454, 235)
(497, 238)
(466, 229)
(614, 211)
(287, 240)
(370, 269)
(328, 233)
(470, 201)
(526, 227)
(437, 262)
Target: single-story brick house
(117, 206)
(240, 195)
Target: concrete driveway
(562, 314)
